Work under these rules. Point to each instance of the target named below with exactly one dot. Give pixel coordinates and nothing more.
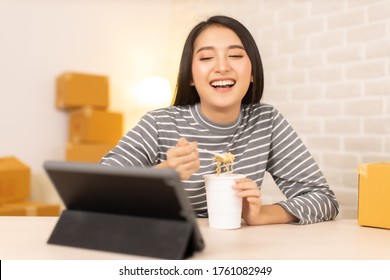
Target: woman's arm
(138, 147)
(253, 212)
(298, 176)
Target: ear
(252, 79)
(192, 83)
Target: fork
(212, 153)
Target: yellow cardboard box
(4, 211)
(86, 152)
(89, 125)
(14, 180)
(76, 90)
(374, 195)
(30, 208)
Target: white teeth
(223, 83)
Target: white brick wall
(330, 60)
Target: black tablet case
(131, 210)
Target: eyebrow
(212, 48)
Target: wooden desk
(26, 238)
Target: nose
(222, 65)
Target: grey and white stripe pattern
(261, 140)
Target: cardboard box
(75, 90)
(11, 211)
(14, 180)
(86, 152)
(30, 208)
(95, 126)
(374, 195)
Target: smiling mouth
(223, 83)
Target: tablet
(140, 192)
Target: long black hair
(186, 94)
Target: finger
(182, 142)
(184, 159)
(253, 200)
(249, 193)
(243, 180)
(193, 146)
(246, 181)
(181, 151)
(246, 184)
(188, 168)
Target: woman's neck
(221, 116)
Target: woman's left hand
(251, 203)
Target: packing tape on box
(363, 170)
(88, 111)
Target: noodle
(226, 160)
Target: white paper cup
(223, 204)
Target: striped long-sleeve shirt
(260, 139)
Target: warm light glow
(153, 92)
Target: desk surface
(26, 238)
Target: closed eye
(236, 56)
(205, 58)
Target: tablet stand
(151, 237)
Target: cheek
(194, 71)
(246, 71)
(199, 72)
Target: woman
(217, 108)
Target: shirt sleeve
(138, 147)
(298, 176)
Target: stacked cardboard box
(374, 195)
(29, 208)
(15, 191)
(93, 130)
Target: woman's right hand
(183, 158)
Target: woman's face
(221, 73)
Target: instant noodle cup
(223, 204)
